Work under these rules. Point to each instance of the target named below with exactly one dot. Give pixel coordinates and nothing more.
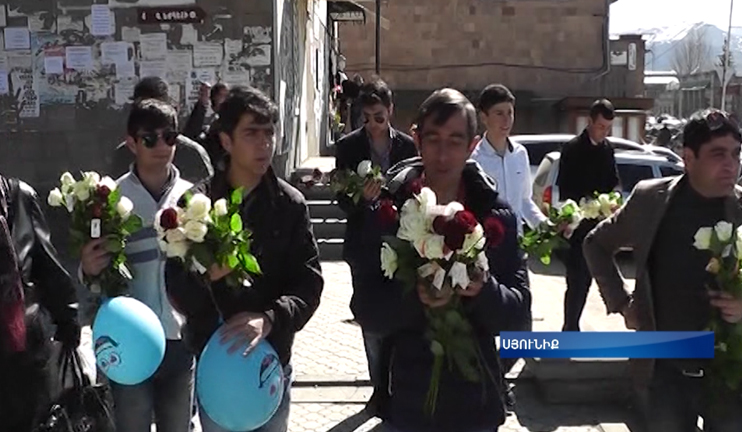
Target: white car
(632, 168)
(539, 146)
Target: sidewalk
(329, 361)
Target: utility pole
(725, 67)
(378, 36)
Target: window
(543, 172)
(668, 171)
(537, 150)
(631, 174)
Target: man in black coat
(377, 141)
(498, 301)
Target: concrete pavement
(329, 361)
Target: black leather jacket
(48, 288)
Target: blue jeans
(167, 394)
(278, 423)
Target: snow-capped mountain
(666, 43)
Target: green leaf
(250, 263)
(113, 198)
(235, 223)
(232, 261)
(236, 197)
(131, 225)
(114, 245)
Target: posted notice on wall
(28, 96)
(79, 58)
(193, 85)
(153, 68)
(153, 46)
(100, 20)
(125, 70)
(53, 65)
(207, 54)
(123, 91)
(17, 38)
(115, 52)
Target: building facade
(68, 68)
(546, 52)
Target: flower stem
(431, 400)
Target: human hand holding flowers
(365, 182)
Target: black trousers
(677, 398)
(579, 278)
(27, 383)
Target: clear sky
(627, 15)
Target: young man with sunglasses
(153, 183)
(278, 303)
(674, 290)
(190, 157)
(384, 146)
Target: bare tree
(692, 54)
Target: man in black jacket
(281, 300)
(190, 157)
(384, 146)
(36, 293)
(497, 302)
(587, 165)
(203, 132)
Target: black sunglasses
(150, 139)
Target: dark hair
(215, 90)
(246, 100)
(149, 115)
(603, 108)
(492, 95)
(151, 88)
(375, 92)
(705, 125)
(441, 105)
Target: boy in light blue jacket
(152, 183)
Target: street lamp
(725, 66)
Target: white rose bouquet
(544, 239)
(602, 206)
(351, 183)
(202, 235)
(724, 242)
(98, 210)
(443, 247)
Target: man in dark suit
(384, 146)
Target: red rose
(97, 210)
(440, 225)
(465, 221)
(415, 186)
(453, 239)
(169, 219)
(494, 230)
(387, 214)
(103, 191)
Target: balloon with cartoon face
(129, 340)
(237, 392)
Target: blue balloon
(129, 340)
(239, 393)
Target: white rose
(177, 249)
(124, 207)
(388, 260)
(67, 181)
(447, 211)
(482, 261)
(198, 208)
(459, 275)
(590, 209)
(55, 199)
(195, 231)
(430, 246)
(81, 190)
(108, 182)
(606, 204)
(475, 240)
(702, 239)
(412, 222)
(163, 244)
(91, 178)
(569, 203)
(69, 202)
(220, 207)
(427, 198)
(364, 168)
(433, 269)
(175, 235)
(724, 231)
